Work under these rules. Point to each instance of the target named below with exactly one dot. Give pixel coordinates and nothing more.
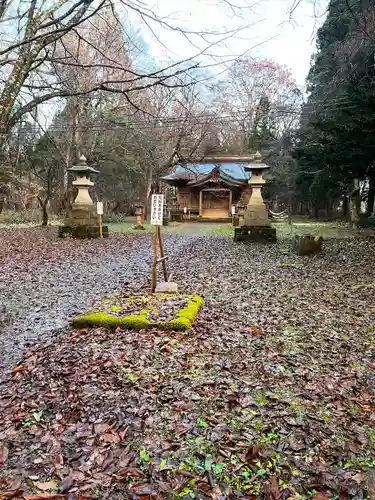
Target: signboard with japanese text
(99, 208)
(157, 202)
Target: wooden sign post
(100, 211)
(157, 202)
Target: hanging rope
(279, 216)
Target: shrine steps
(221, 220)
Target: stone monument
(255, 224)
(82, 221)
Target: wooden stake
(153, 282)
(100, 227)
(164, 264)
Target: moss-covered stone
(183, 320)
(82, 231)
(261, 234)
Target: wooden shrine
(208, 190)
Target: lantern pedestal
(255, 233)
(255, 225)
(82, 221)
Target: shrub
(114, 218)
(29, 216)
(365, 221)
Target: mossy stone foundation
(255, 233)
(82, 232)
(103, 315)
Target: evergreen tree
(336, 148)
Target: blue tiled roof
(234, 170)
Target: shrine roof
(194, 172)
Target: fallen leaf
(11, 494)
(46, 486)
(43, 496)
(4, 452)
(18, 369)
(359, 478)
(252, 453)
(66, 484)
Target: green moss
(183, 321)
(116, 308)
(178, 324)
(186, 316)
(137, 322)
(190, 312)
(96, 319)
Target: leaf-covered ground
(45, 281)
(270, 395)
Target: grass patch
(223, 230)
(128, 227)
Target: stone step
(222, 220)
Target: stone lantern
(255, 225)
(82, 221)
(139, 215)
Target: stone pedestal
(82, 232)
(255, 233)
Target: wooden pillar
(200, 202)
(230, 201)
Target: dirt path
(39, 295)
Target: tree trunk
(315, 211)
(355, 203)
(43, 205)
(45, 215)
(147, 196)
(345, 207)
(371, 195)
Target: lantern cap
(82, 168)
(256, 164)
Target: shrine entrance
(215, 203)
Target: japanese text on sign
(99, 208)
(157, 201)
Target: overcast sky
(267, 31)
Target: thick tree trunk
(345, 207)
(43, 205)
(371, 195)
(45, 215)
(355, 203)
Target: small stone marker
(307, 244)
(166, 287)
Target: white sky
(269, 32)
